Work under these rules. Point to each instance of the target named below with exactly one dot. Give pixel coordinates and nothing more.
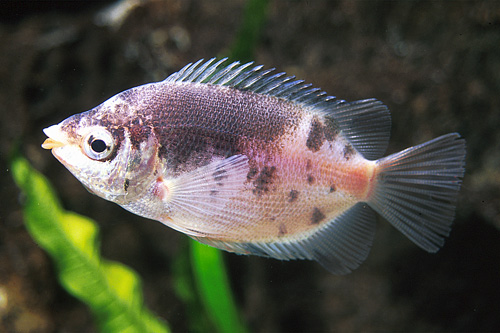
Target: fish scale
(256, 162)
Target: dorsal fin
(256, 79)
(365, 123)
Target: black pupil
(98, 146)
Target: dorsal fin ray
(365, 123)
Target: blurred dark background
(436, 64)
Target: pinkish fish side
(254, 162)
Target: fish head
(112, 154)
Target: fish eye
(99, 144)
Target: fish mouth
(51, 143)
(56, 138)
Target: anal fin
(340, 246)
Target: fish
(252, 161)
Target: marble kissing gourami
(256, 162)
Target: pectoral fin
(198, 197)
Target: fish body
(258, 163)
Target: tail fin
(417, 189)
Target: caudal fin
(416, 189)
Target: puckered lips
(55, 138)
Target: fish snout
(55, 138)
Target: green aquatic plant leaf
(254, 18)
(111, 290)
(214, 289)
(186, 290)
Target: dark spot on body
(282, 230)
(348, 151)
(331, 129)
(137, 121)
(213, 193)
(252, 173)
(272, 219)
(263, 180)
(317, 216)
(310, 179)
(126, 184)
(138, 134)
(308, 165)
(187, 148)
(316, 136)
(293, 195)
(332, 188)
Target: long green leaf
(213, 286)
(248, 35)
(111, 290)
(184, 285)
